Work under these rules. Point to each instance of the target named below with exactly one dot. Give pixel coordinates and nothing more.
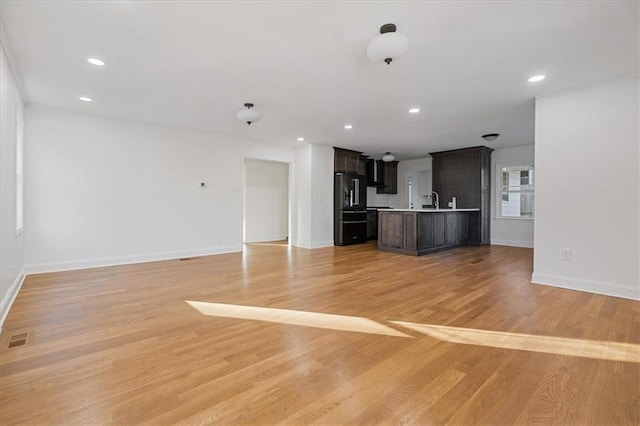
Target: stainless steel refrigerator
(350, 209)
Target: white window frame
(19, 199)
(498, 191)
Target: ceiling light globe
(248, 115)
(388, 157)
(388, 46)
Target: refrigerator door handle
(356, 184)
(351, 198)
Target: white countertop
(429, 210)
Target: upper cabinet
(348, 161)
(388, 176)
(466, 174)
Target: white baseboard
(126, 260)
(315, 245)
(590, 286)
(268, 239)
(512, 243)
(321, 244)
(10, 297)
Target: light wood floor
(121, 345)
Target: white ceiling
(193, 64)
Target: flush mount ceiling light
(388, 157)
(248, 115)
(387, 46)
(96, 61)
(490, 137)
(414, 110)
(300, 139)
(85, 99)
(536, 78)
(348, 126)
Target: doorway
(266, 201)
(418, 188)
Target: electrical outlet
(565, 254)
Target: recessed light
(414, 110)
(96, 61)
(535, 78)
(300, 139)
(85, 99)
(348, 126)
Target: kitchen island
(424, 231)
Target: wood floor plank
(121, 345)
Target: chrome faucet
(436, 201)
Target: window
(517, 192)
(19, 171)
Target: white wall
(401, 199)
(105, 192)
(513, 231)
(587, 189)
(322, 182)
(11, 245)
(266, 205)
(314, 196)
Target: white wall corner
(10, 297)
(590, 286)
(4, 41)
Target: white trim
(316, 245)
(268, 239)
(512, 243)
(126, 260)
(590, 286)
(508, 219)
(322, 244)
(497, 188)
(10, 297)
(4, 41)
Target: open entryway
(266, 202)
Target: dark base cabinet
(419, 233)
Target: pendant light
(387, 46)
(247, 114)
(388, 157)
(490, 137)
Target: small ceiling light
(388, 157)
(85, 99)
(248, 115)
(387, 46)
(490, 137)
(536, 78)
(96, 61)
(300, 139)
(348, 126)
(414, 110)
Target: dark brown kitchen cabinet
(421, 232)
(466, 174)
(348, 161)
(388, 175)
(372, 224)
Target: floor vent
(18, 340)
(188, 258)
